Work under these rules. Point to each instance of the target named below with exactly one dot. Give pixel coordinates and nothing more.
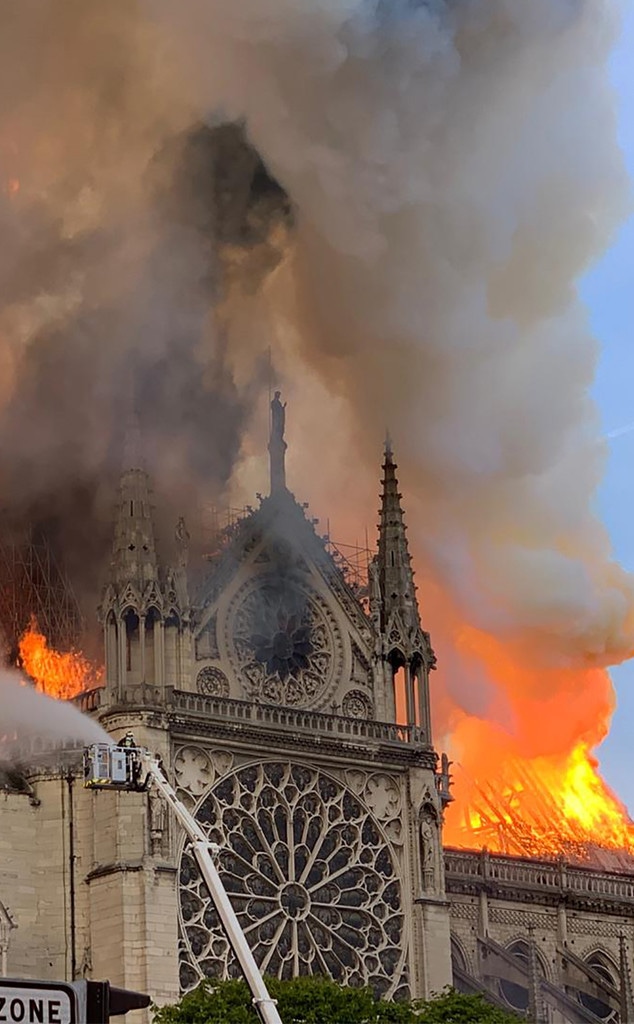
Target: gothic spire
(404, 647)
(134, 551)
(394, 570)
(277, 445)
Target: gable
(278, 619)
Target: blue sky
(609, 292)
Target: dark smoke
(115, 265)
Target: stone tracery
(212, 682)
(357, 704)
(310, 875)
(283, 642)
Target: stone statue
(158, 821)
(374, 592)
(444, 780)
(278, 418)
(373, 579)
(428, 848)
(182, 543)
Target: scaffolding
(218, 527)
(34, 586)
(352, 561)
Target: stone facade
(575, 924)
(292, 716)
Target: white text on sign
(21, 1006)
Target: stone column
(536, 1002)
(562, 925)
(483, 913)
(483, 907)
(409, 695)
(424, 702)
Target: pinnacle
(394, 562)
(134, 552)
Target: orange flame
(57, 674)
(532, 787)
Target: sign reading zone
(33, 1002)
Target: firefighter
(133, 764)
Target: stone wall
(123, 919)
(34, 873)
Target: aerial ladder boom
(133, 768)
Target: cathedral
(292, 715)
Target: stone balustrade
(464, 868)
(88, 701)
(224, 709)
(313, 722)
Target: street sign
(38, 1002)
(54, 1002)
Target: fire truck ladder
(133, 768)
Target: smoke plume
(31, 721)
(453, 169)
(118, 207)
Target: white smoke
(30, 720)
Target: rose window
(284, 647)
(283, 642)
(357, 704)
(309, 874)
(212, 682)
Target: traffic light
(121, 1000)
(103, 1001)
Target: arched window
(516, 995)
(151, 618)
(606, 971)
(399, 683)
(458, 966)
(111, 647)
(131, 620)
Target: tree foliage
(321, 1001)
(456, 1008)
